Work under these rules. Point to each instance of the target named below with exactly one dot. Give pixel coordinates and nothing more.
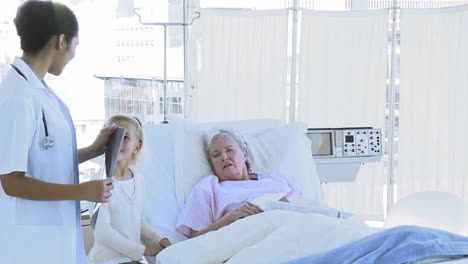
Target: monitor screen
(321, 143)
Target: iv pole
(165, 25)
(391, 117)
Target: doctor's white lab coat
(37, 231)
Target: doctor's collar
(31, 68)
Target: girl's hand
(164, 243)
(152, 249)
(244, 210)
(102, 139)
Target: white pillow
(287, 150)
(157, 168)
(271, 147)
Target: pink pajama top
(210, 199)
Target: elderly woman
(220, 199)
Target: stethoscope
(48, 143)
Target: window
(174, 105)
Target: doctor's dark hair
(135, 122)
(229, 135)
(37, 21)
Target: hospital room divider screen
(238, 64)
(433, 114)
(342, 82)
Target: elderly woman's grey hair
(227, 134)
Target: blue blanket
(402, 244)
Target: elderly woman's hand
(244, 210)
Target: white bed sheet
(276, 236)
(271, 237)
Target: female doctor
(40, 194)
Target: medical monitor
(345, 142)
(339, 152)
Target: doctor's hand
(102, 139)
(97, 191)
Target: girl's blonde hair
(135, 122)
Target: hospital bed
(173, 161)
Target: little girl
(121, 234)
